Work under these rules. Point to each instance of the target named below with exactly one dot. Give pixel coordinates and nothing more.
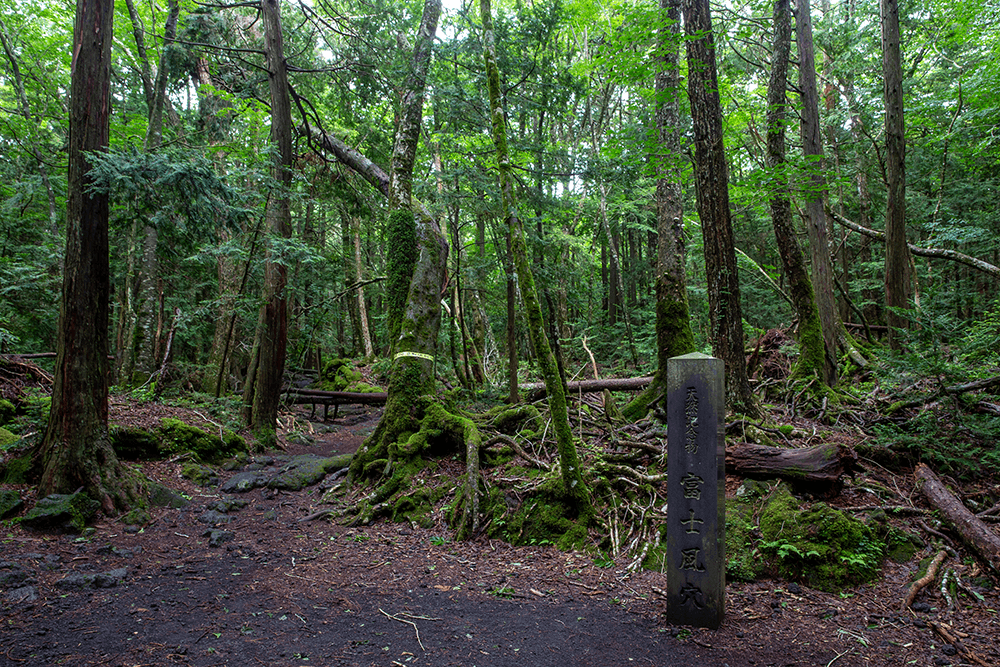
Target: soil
(289, 592)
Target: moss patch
(817, 545)
(199, 474)
(7, 411)
(66, 512)
(176, 436)
(7, 439)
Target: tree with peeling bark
(574, 487)
(673, 320)
(712, 186)
(76, 451)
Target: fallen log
(536, 390)
(817, 469)
(977, 535)
(316, 397)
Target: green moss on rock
(10, 503)
(818, 545)
(177, 436)
(7, 411)
(7, 438)
(199, 474)
(68, 512)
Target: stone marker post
(696, 496)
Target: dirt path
(284, 592)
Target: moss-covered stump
(816, 544)
(10, 503)
(134, 444)
(340, 375)
(67, 512)
(177, 437)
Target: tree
(813, 358)
(264, 386)
(898, 276)
(815, 194)
(712, 185)
(76, 451)
(574, 488)
(673, 319)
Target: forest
(451, 216)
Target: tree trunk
(815, 193)
(725, 311)
(274, 313)
(673, 320)
(812, 359)
(898, 277)
(574, 487)
(75, 451)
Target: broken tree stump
(974, 533)
(818, 469)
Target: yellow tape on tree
(416, 355)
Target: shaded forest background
(191, 180)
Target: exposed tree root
(925, 580)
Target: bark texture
(712, 180)
(815, 193)
(976, 534)
(898, 275)
(75, 451)
(819, 469)
(273, 322)
(812, 351)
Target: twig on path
(838, 657)
(403, 620)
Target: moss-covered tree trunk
(812, 351)
(76, 451)
(673, 320)
(574, 487)
(815, 195)
(411, 378)
(725, 310)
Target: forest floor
(289, 592)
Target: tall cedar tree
(898, 272)
(712, 185)
(673, 321)
(574, 487)
(76, 451)
(815, 193)
(272, 327)
(812, 351)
